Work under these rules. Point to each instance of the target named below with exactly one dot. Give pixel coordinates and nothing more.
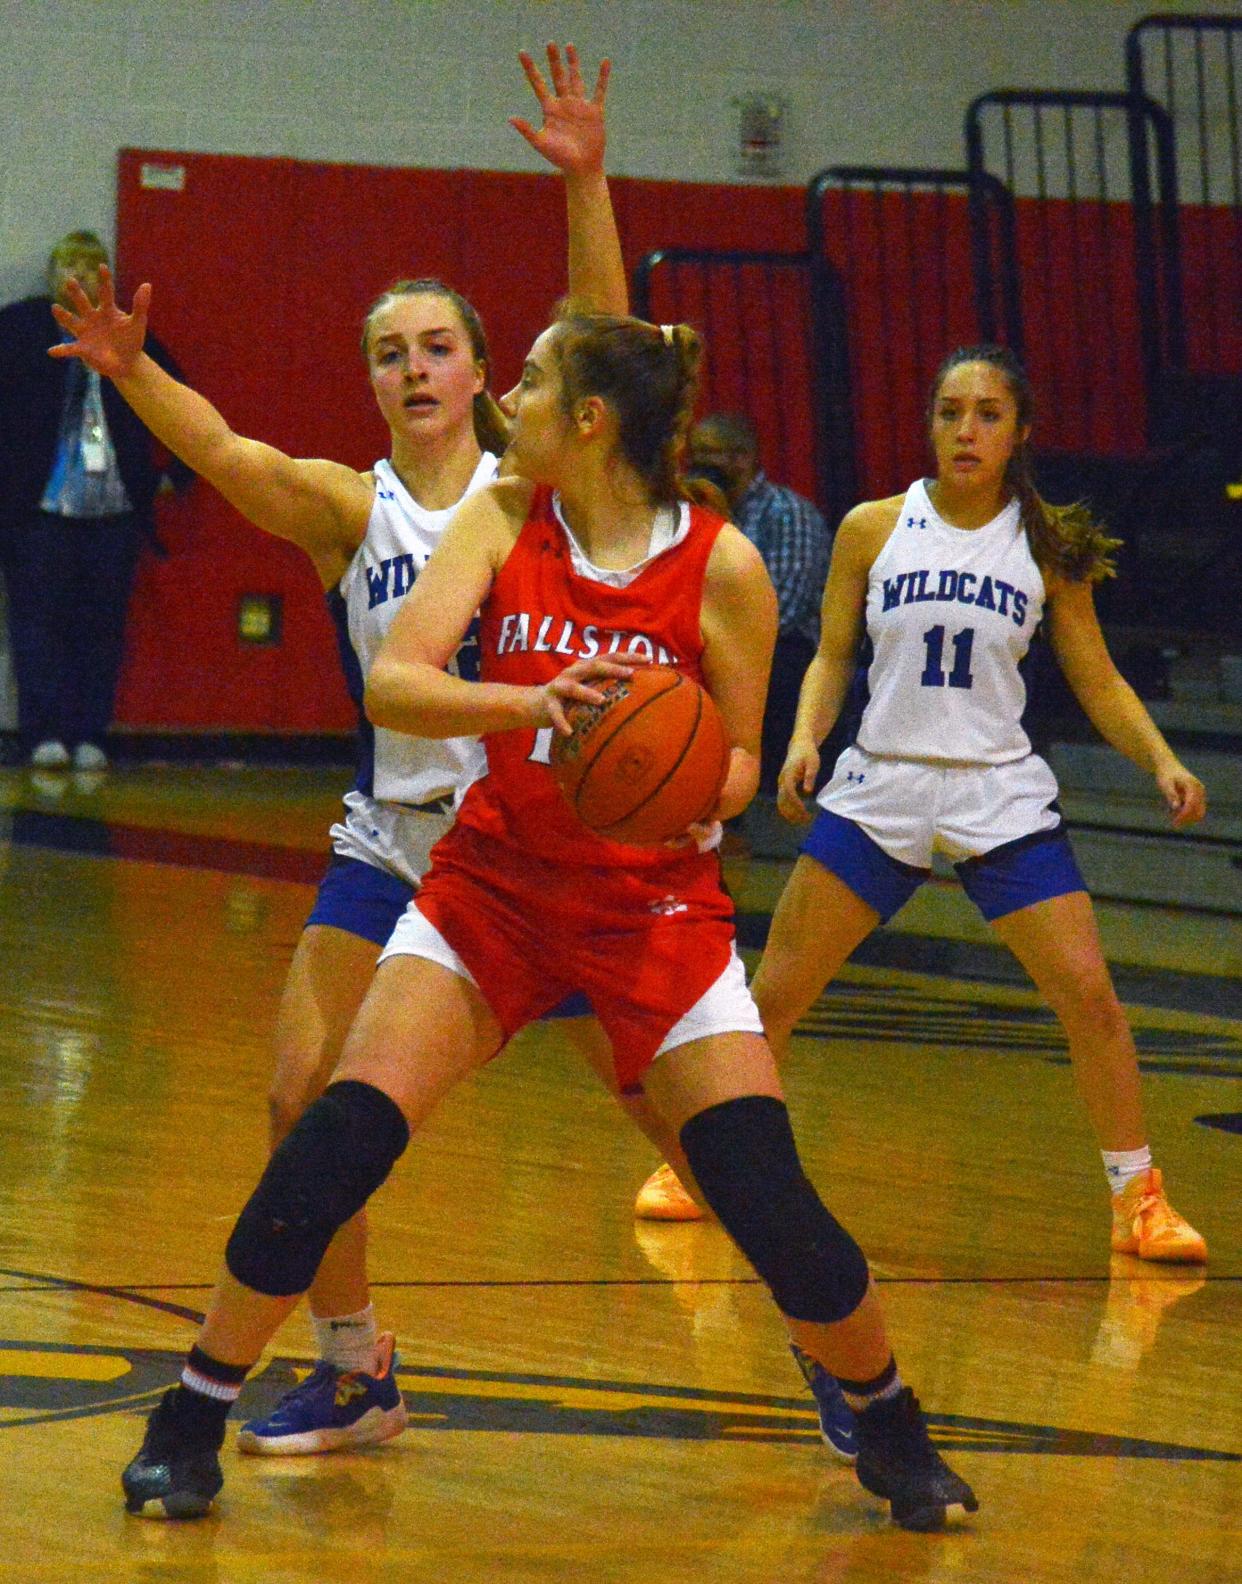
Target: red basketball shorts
(644, 946)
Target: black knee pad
(744, 1159)
(323, 1173)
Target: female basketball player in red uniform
(590, 554)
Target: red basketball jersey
(540, 616)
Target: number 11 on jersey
(933, 670)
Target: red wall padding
(756, 322)
(263, 270)
(905, 264)
(1211, 244)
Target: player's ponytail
(648, 374)
(491, 427)
(1063, 539)
(1066, 540)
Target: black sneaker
(896, 1461)
(177, 1469)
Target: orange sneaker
(1146, 1224)
(662, 1198)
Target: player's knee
(1101, 1008)
(781, 997)
(333, 1160)
(302, 1073)
(744, 1159)
(1086, 998)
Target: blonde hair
(73, 248)
(1067, 540)
(491, 427)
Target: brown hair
(649, 375)
(491, 428)
(1064, 539)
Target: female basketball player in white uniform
(952, 580)
(369, 534)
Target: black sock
(207, 1390)
(864, 1394)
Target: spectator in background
(791, 535)
(78, 476)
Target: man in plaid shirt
(791, 535)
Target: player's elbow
(386, 700)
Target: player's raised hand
(572, 134)
(105, 338)
(797, 781)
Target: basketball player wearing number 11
(951, 580)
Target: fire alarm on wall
(760, 134)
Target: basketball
(648, 762)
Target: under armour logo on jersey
(667, 905)
(385, 494)
(916, 522)
(855, 776)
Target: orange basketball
(646, 763)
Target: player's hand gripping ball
(648, 762)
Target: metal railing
(758, 314)
(1095, 252)
(899, 241)
(1192, 66)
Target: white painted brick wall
(431, 82)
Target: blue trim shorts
(361, 899)
(882, 818)
(365, 900)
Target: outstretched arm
(1112, 705)
(321, 506)
(572, 138)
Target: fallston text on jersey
(519, 635)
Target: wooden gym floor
(591, 1398)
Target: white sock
(347, 1341)
(1122, 1166)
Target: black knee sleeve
(744, 1159)
(341, 1150)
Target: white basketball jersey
(950, 614)
(401, 534)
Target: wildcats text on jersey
(962, 588)
(393, 578)
(519, 634)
